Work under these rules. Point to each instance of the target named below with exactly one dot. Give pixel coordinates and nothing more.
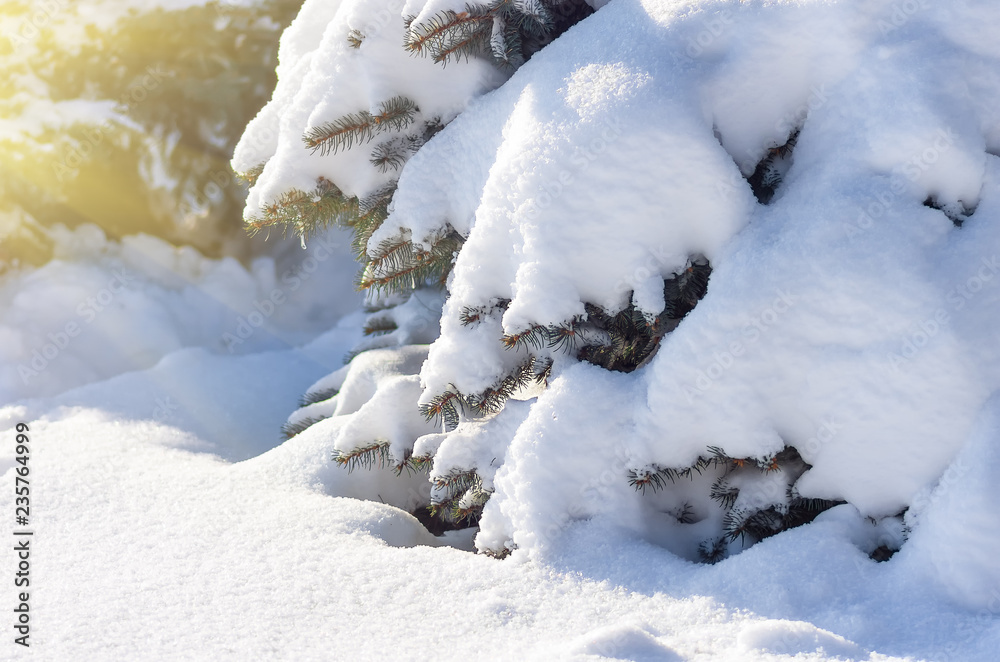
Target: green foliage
(361, 127)
(744, 521)
(459, 497)
(506, 31)
(768, 174)
(289, 430)
(322, 395)
(183, 83)
(307, 212)
(377, 455)
(400, 266)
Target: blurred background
(125, 114)
(120, 218)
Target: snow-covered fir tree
(602, 220)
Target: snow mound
(624, 642)
(956, 540)
(103, 307)
(794, 638)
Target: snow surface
(175, 533)
(101, 307)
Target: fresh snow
(100, 307)
(173, 533)
(845, 318)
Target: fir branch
(395, 114)
(712, 551)
(289, 430)
(474, 314)
(445, 408)
(445, 31)
(685, 515)
(354, 38)
(421, 462)
(755, 525)
(399, 267)
(372, 212)
(537, 336)
(376, 326)
(542, 376)
(493, 399)
(655, 478)
(724, 493)
(312, 397)
(564, 337)
(250, 176)
(343, 133)
(307, 212)
(390, 155)
(361, 127)
(373, 455)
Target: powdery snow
(323, 78)
(154, 541)
(849, 318)
(103, 307)
(846, 319)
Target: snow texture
(190, 534)
(323, 78)
(101, 308)
(849, 318)
(846, 318)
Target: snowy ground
(170, 524)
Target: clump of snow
(795, 638)
(323, 78)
